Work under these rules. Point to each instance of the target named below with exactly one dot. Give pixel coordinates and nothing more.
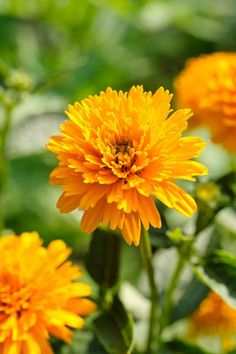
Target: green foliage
(103, 258)
(114, 329)
(178, 237)
(180, 347)
(83, 343)
(113, 326)
(190, 300)
(219, 274)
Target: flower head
(215, 317)
(116, 152)
(207, 85)
(38, 294)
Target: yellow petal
(131, 228)
(148, 212)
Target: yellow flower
(119, 149)
(215, 318)
(207, 85)
(38, 294)
(207, 192)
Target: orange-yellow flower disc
(116, 152)
(207, 85)
(215, 318)
(38, 294)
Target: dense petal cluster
(207, 85)
(38, 294)
(215, 317)
(116, 152)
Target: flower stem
(3, 160)
(184, 254)
(146, 253)
(168, 300)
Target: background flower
(207, 85)
(38, 294)
(119, 149)
(215, 318)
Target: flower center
(124, 155)
(123, 146)
(13, 300)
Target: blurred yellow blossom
(215, 318)
(207, 191)
(207, 85)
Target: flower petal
(131, 228)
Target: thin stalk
(3, 160)
(167, 307)
(153, 335)
(168, 300)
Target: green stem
(167, 307)
(232, 158)
(3, 160)
(153, 336)
(168, 300)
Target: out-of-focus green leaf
(228, 184)
(178, 237)
(95, 347)
(225, 222)
(80, 344)
(114, 329)
(190, 300)
(130, 271)
(219, 274)
(158, 237)
(30, 203)
(103, 258)
(180, 347)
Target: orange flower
(207, 85)
(38, 295)
(119, 149)
(215, 317)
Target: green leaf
(103, 258)
(114, 329)
(95, 347)
(190, 300)
(225, 222)
(228, 184)
(83, 342)
(180, 347)
(219, 274)
(178, 237)
(79, 345)
(130, 271)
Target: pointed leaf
(181, 347)
(103, 258)
(219, 274)
(114, 329)
(190, 300)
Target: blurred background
(55, 52)
(64, 50)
